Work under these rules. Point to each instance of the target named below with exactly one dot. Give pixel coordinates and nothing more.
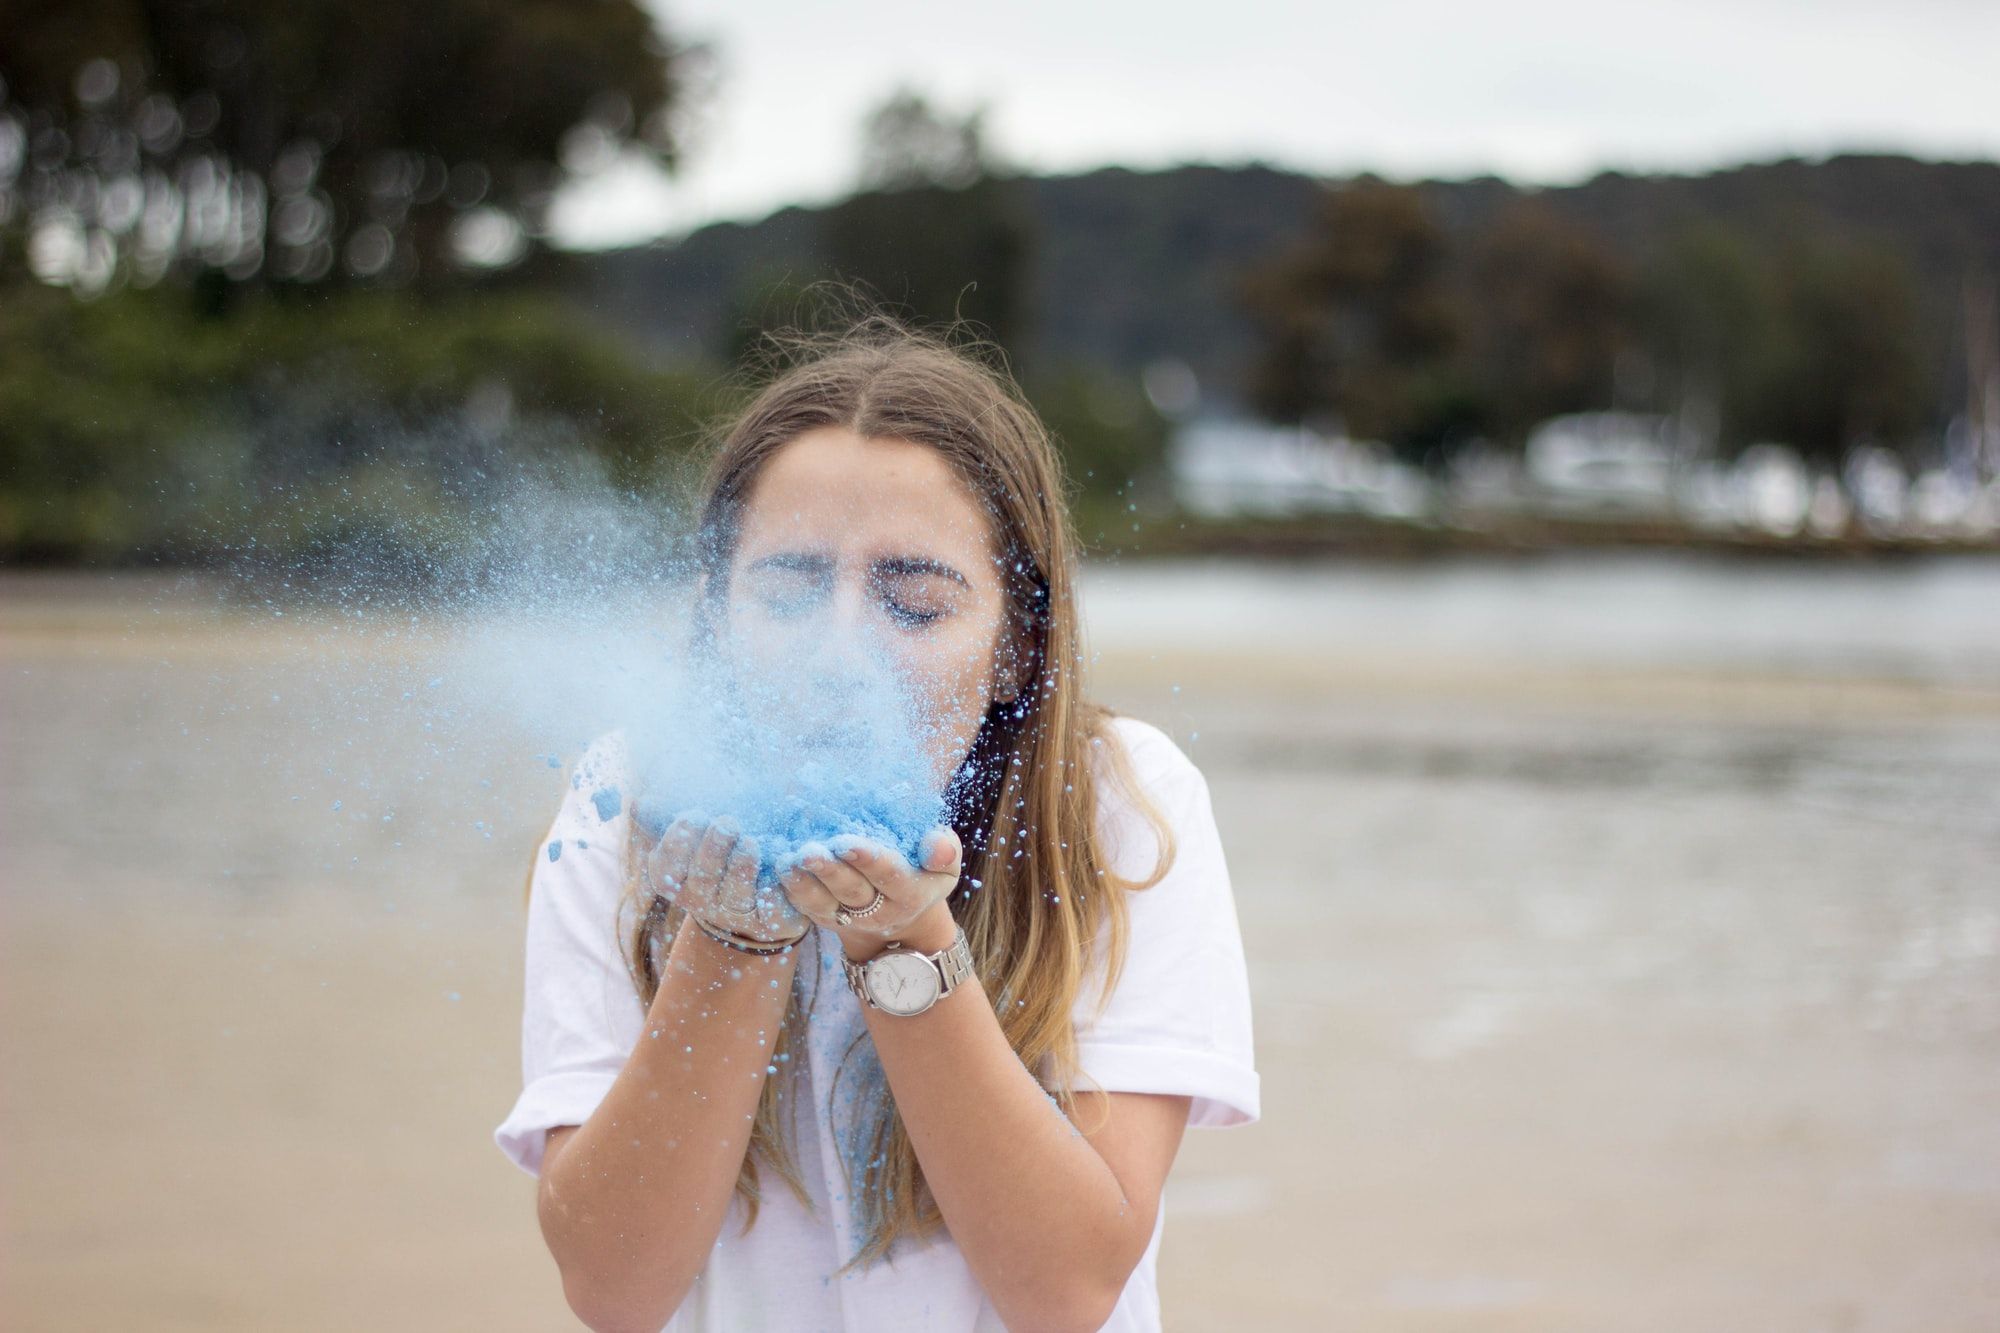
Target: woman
(971, 1073)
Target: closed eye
(786, 592)
(911, 616)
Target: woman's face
(864, 564)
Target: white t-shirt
(1178, 1022)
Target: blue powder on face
(607, 801)
(555, 850)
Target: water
(1932, 620)
(1624, 935)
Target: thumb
(941, 849)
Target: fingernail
(726, 826)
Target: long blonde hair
(1036, 887)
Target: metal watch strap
(953, 964)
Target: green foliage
(134, 423)
(907, 142)
(1358, 320)
(1384, 322)
(939, 253)
(1814, 340)
(1546, 309)
(1850, 370)
(1109, 435)
(1108, 432)
(331, 138)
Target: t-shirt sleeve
(1178, 1020)
(580, 1015)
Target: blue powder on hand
(790, 783)
(788, 818)
(555, 850)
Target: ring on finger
(847, 916)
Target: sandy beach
(1636, 992)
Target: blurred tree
(1851, 370)
(301, 140)
(1546, 310)
(1813, 340)
(768, 296)
(906, 142)
(1109, 434)
(131, 424)
(1710, 313)
(939, 230)
(1357, 323)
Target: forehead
(837, 492)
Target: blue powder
(607, 801)
(742, 749)
(555, 850)
(816, 809)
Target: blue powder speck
(555, 850)
(607, 801)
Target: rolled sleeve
(1178, 1020)
(581, 1014)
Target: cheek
(959, 658)
(753, 638)
(950, 678)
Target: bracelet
(743, 943)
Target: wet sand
(1606, 997)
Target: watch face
(902, 983)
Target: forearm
(634, 1202)
(1038, 1214)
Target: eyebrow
(895, 565)
(909, 564)
(788, 560)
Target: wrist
(721, 956)
(933, 930)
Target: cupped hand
(710, 871)
(851, 871)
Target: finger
(810, 897)
(667, 864)
(738, 890)
(712, 856)
(941, 852)
(842, 880)
(776, 915)
(877, 862)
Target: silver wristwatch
(901, 981)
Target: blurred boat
(1227, 466)
(1772, 490)
(1602, 463)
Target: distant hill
(1135, 265)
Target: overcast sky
(1545, 91)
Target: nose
(845, 656)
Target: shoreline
(1625, 997)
